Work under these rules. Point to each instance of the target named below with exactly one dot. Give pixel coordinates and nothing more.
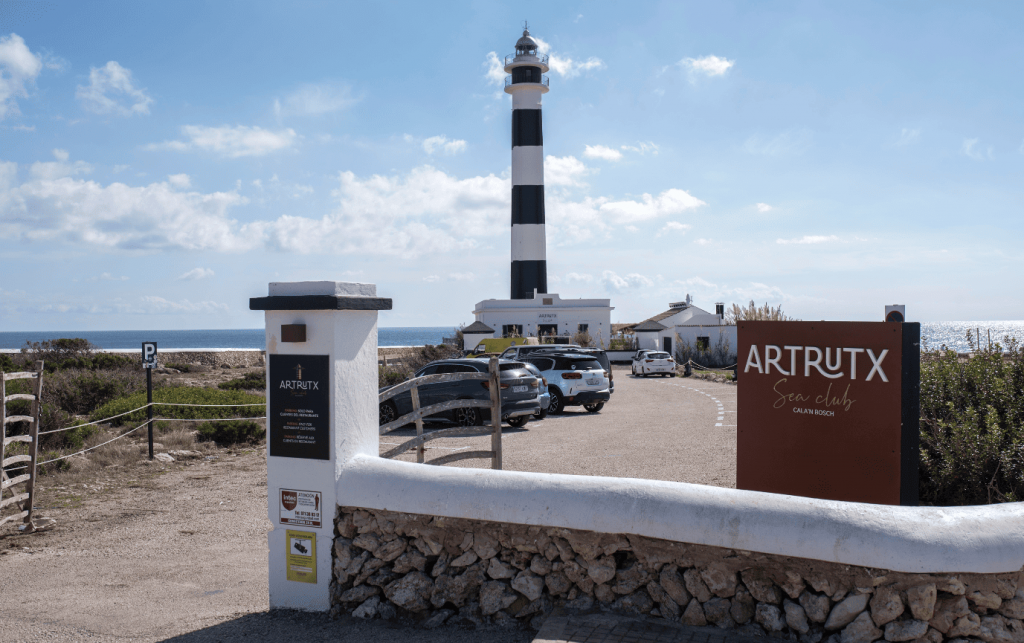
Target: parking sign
(149, 354)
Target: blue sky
(159, 164)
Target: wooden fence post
(495, 386)
(415, 394)
(33, 448)
(3, 434)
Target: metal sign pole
(149, 363)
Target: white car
(654, 363)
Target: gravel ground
(655, 428)
(179, 552)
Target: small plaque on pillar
(299, 418)
(293, 333)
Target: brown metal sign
(822, 410)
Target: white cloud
(968, 150)
(703, 242)
(19, 68)
(181, 181)
(112, 91)
(431, 279)
(615, 284)
(196, 274)
(908, 136)
(764, 207)
(461, 276)
(674, 226)
(117, 169)
(642, 147)
(565, 66)
(564, 170)
(230, 142)
(106, 276)
(54, 206)
(669, 202)
(792, 142)
(315, 100)
(708, 65)
(808, 239)
(60, 168)
(632, 228)
(441, 143)
(495, 73)
(158, 305)
(576, 277)
(24, 128)
(602, 152)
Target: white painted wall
(691, 333)
(528, 242)
(350, 339)
(528, 165)
(985, 539)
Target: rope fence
(146, 406)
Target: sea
(935, 335)
(209, 339)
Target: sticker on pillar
(301, 556)
(300, 508)
(299, 404)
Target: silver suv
(574, 379)
(521, 352)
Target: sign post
(321, 412)
(149, 363)
(829, 410)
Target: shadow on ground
(289, 625)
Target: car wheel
(467, 416)
(387, 413)
(519, 421)
(594, 408)
(556, 406)
(672, 374)
(543, 414)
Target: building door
(666, 344)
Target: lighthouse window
(526, 75)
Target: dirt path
(179, 551)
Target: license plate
(593, 381)
(520, 389)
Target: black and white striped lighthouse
(529, 247)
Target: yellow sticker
(301, 556)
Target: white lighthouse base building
(547, 314)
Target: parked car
(574, 379)
(520, 352)
(519, 393)
(654, 363)
(544, 397)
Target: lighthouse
(527, 84)
(533, 313)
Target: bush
(388, 377)
(231, 431)
(247, 382)
(60, 354)
(719, 355)
(183, 395)
(78, 391)
(972, 426)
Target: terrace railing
(418, 413)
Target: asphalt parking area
(658, 428)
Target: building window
(512, 330)
(703, 343)
(582, 328)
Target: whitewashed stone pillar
(337, 320)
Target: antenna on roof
(526, 25)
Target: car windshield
(657, 356)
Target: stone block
(672, 582)
(886, 605)
(695, 586)
(761, 587)
(816, 607)
(861, 630)
(796, 618)
(908, 630)
(411, 592)
(769, 617)
(719, 580)
(743, 606)
(529, 585)
(694, 614)
(921, 600)
(846, 611)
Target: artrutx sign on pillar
(829, 410)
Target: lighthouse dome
(526, 44)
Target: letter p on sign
(148, 354)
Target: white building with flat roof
(547, 314)
(685, 322)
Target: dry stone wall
(438, 570)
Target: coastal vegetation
(249, 382)
(972, 425)
(187, 396)
(753, 312)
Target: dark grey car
(519, 391)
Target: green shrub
(972, 426)
(184, 368)
(388, 377)
(231, 431)
(249, 381)
(183, 395)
